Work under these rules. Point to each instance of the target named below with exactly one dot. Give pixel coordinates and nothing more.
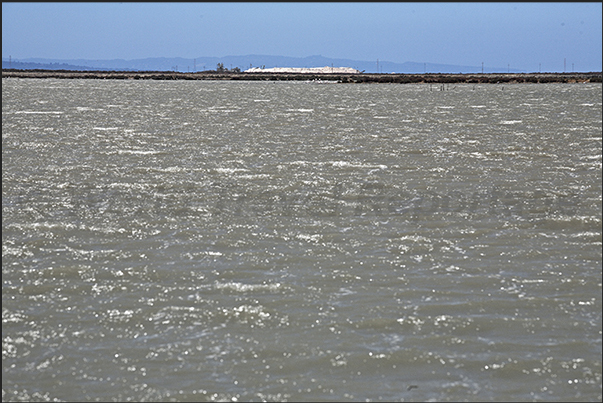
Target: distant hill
(6, 64)
(246, 62)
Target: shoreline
(426, 78)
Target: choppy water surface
(300, 241)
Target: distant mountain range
(6, 64)
(244, 63)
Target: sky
(527, 36)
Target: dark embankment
(592, 77)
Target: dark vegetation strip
(431, 78)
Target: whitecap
(39, 112)
(230, 170)
(241, 287)
(347, 164)
(309, 238)
(140, 152)
(300, 110)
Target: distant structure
(309, 70)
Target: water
(296, 241)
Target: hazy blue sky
(522, 35)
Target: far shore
(427, 78)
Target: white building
(320, 70)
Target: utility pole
(195, 66)
(482, 67)
(377, 65)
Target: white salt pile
(326, 69)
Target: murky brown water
(300, 241)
